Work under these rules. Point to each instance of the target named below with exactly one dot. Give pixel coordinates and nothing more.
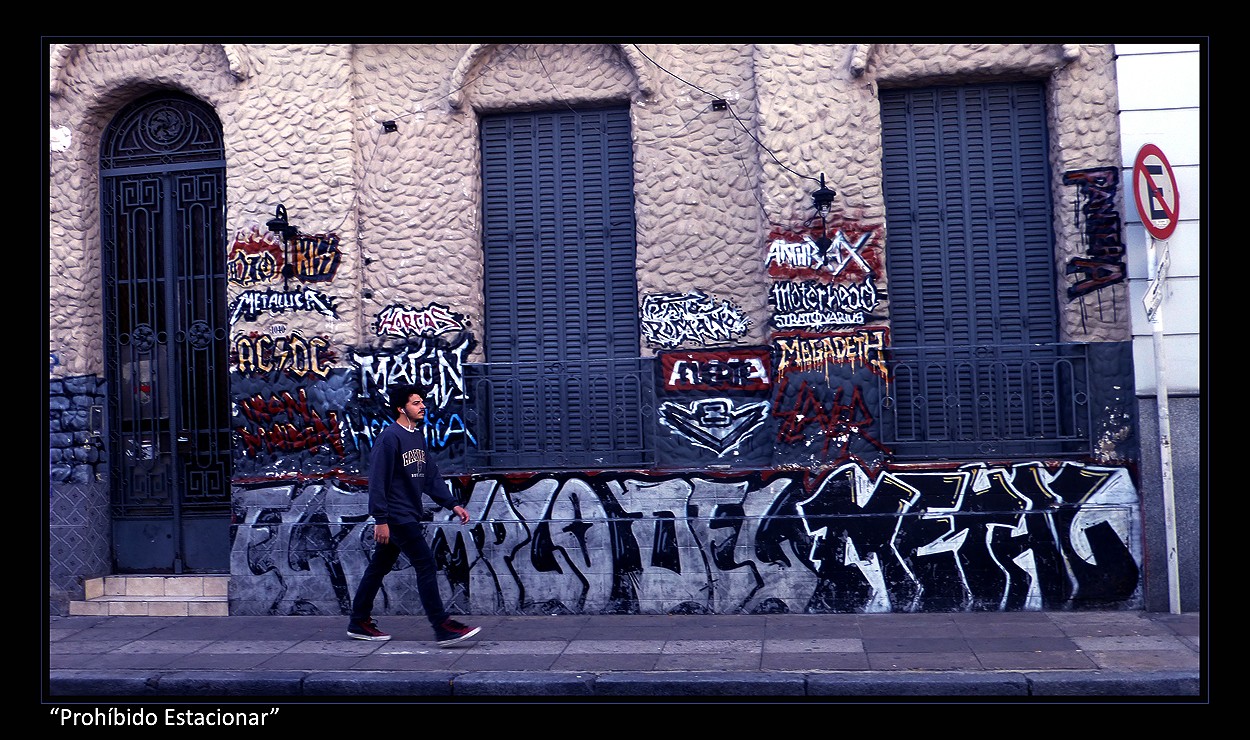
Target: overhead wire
(729, 107)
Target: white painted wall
(1160, 87)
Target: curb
(402, 684)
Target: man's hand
(381, 533)
(460, 512)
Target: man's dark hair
(398, 395)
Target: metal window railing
(985, 401)
(592, 414)
(935, 403)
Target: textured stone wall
(303, 127)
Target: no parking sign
(1154, 189)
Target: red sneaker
(366, 630)
(450, 632)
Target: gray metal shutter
(563, 384)
(969, 259)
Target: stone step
(155, 596)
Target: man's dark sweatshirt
(400, 471)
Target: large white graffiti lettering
(807, 254)
(431, 362)
(736, 369)
(976, 537)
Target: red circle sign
(1154, 189)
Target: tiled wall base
(154, 596)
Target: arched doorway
(162, 178)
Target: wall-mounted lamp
(389, 127)
(822, 201)
(279, 225)
(822, 198)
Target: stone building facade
(762, 459)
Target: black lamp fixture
(822, 201)
(279, 225)
(389, 127)
(822, 198)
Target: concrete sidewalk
(1095, 654)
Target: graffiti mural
(817, 306)
(851, 254)
(800, 351)
(744, 369)
(404, 321)
(314, 258)
(716, 424)
(975, 537)
(255, 257)
(250, 304)
(670, 320)
(257, 353)
(287, 424)
(436, 363)
(838, 429)
(1101, 228)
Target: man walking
(400, 471)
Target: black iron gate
(163, 230)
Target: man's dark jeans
(409, 539)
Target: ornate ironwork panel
(163, 231)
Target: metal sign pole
(1158, 271)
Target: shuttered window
(969, 259)
(563, 384)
